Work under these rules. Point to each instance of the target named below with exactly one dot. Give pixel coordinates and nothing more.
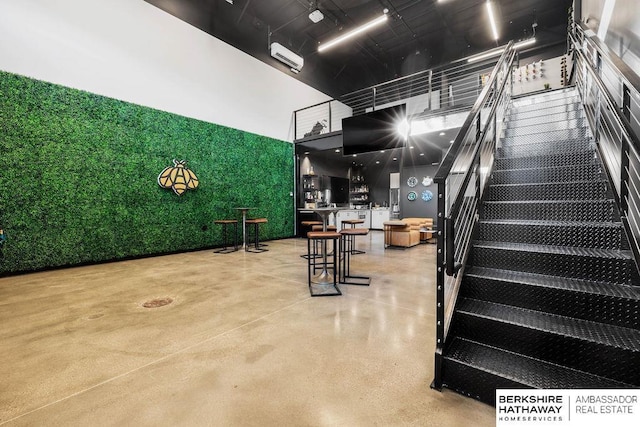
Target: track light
(355, 32)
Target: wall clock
(427, 181)
(412, 196)
(412, 181)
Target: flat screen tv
(374, 131)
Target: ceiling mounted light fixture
(497, 52)
(354, 32)
(492, 20)
(316, 16)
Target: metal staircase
(550, 294)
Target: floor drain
(159, 302)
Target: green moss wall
(78, 178)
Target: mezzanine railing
(446, 89)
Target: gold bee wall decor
(178, 177)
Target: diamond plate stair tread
(552, 210)
(600, 333)
(514, 123)
(549, 190)
(556, 282)
(551, 168)
(544, 127)
(581, 157)
(547, 138)
(557, 250)
(544, 175)
(565, 146)
(524, 370)
(556, 94)
(543, 104)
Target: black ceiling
(420, 33)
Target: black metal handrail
(462, 179)
(613, 123)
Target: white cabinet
(378, 217)
(346, 214)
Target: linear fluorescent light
(486, 55)
(499, 51)
(353, 33)
(492, 20)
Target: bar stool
(353, 223)
(329, 228)
(225, 242)
(325, 283)
(319, 228)
(310, 224)
(255, 222)
(347, 242)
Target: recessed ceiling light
(395, 158)
(422, 154)
(377, 162)
(442, 133)
(411, 147)
(382, 151)
(355, 155)
(306, 152)
(337, 150)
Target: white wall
(132, 51)
(623, 32)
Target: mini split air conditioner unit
(284, 55)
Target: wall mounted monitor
(384, 129)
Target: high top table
(244, 226)
(325, 277)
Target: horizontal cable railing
(462, 179)
(446, 89)
(610, 91)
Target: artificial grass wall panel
(78, 178)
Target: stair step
(562, 93)
(603, 235)
(537, 149)
(584, 156)
(593, 347)
(542, 107)
(553, 124)
(477, 370)
(583, 299)
(553, 210)
(607, 265)
(545, 116)
(586, 172)
(551, 137)
(566, 190)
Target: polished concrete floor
(242, 344)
